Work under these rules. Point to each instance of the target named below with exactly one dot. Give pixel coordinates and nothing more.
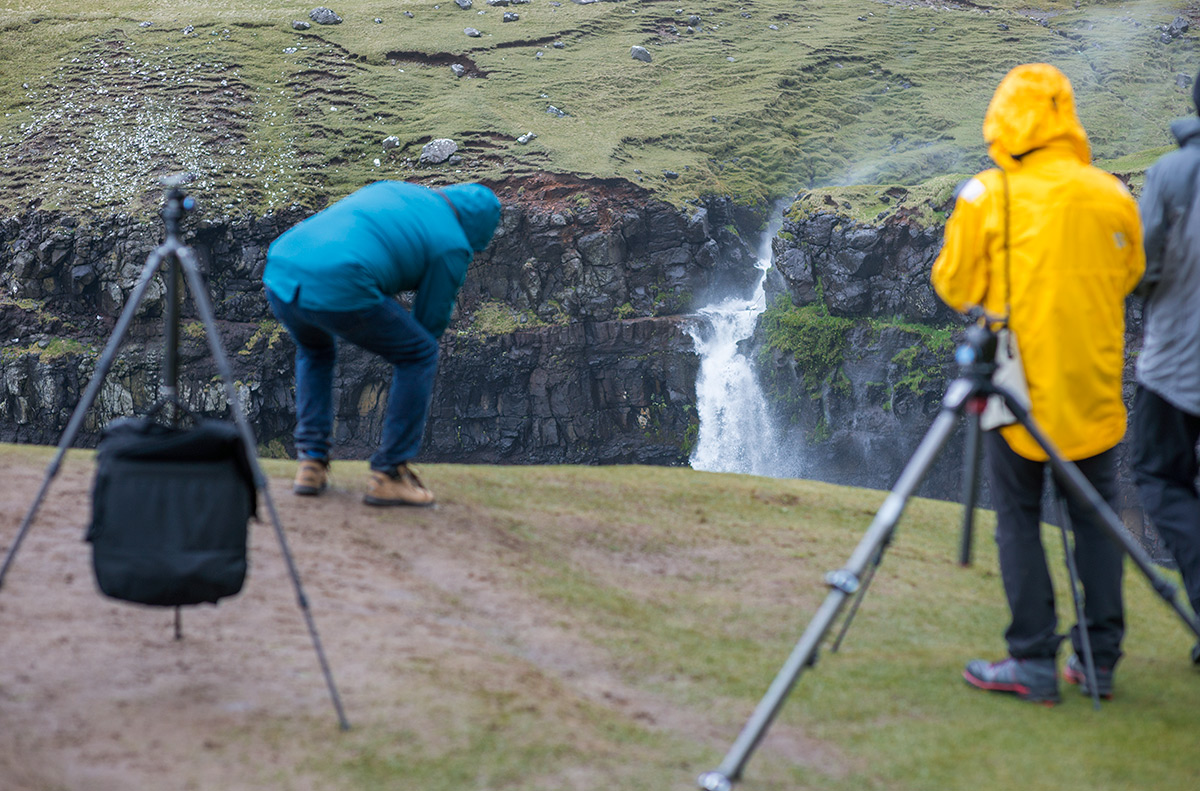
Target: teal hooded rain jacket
(386, 238)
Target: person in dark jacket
(335, 275)
(1166, 407)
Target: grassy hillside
(759, 99)
(563, 628)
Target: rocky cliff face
(567, 346)
(858, 414)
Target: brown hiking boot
(398, 487)
(311, 477)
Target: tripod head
(178, 202)
(976, 356)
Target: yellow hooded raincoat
(1074, 252)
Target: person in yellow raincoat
(1053, 244)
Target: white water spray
(736, 431)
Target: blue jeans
(386, 329)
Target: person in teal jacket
(336, 275)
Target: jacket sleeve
(439, 288)
(1154, 230)
(961, 272)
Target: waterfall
(736, 431)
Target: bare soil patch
(97, 694)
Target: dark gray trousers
(1165, 468)
(1017, 486)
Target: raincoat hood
(478, 211)
(1033, 107)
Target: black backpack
(170, 508)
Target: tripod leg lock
(843, 580)
(714, 781)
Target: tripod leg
(974, 408)
(192, 272)
(858, 598)
(1077, 485)
(107, 357)
(1085, 640)
(843, 583)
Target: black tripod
(178, 255)
(966, 394)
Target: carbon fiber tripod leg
(1078, 486)
(843, 583)
(1080, 616)
(107, 357)
(191, 271)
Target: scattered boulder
(472, 32)
(324, 16)
(189, 30)
(300, 24)
(509, 16)
(1175, 30)
(458, 69)
(640, 53)
(465, 5)
(499, 3)
(408, 14)
(438, 151)
(378, 21)
(552, 110)
(145, 24)
(390, 142)
(558, 45)
(525, 138)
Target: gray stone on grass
(438, 151)
(458, 69)
(324, 16)
(472, 32)
(509, 16)
(390, 142)
(640, 53)
(300, 24)
(1179, 26)
(552, 110)
(465, 5)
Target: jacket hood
(478, 212)
(1186, 129)
(1033, 107)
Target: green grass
(93, 107)
(710, 634)
(689, 590)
